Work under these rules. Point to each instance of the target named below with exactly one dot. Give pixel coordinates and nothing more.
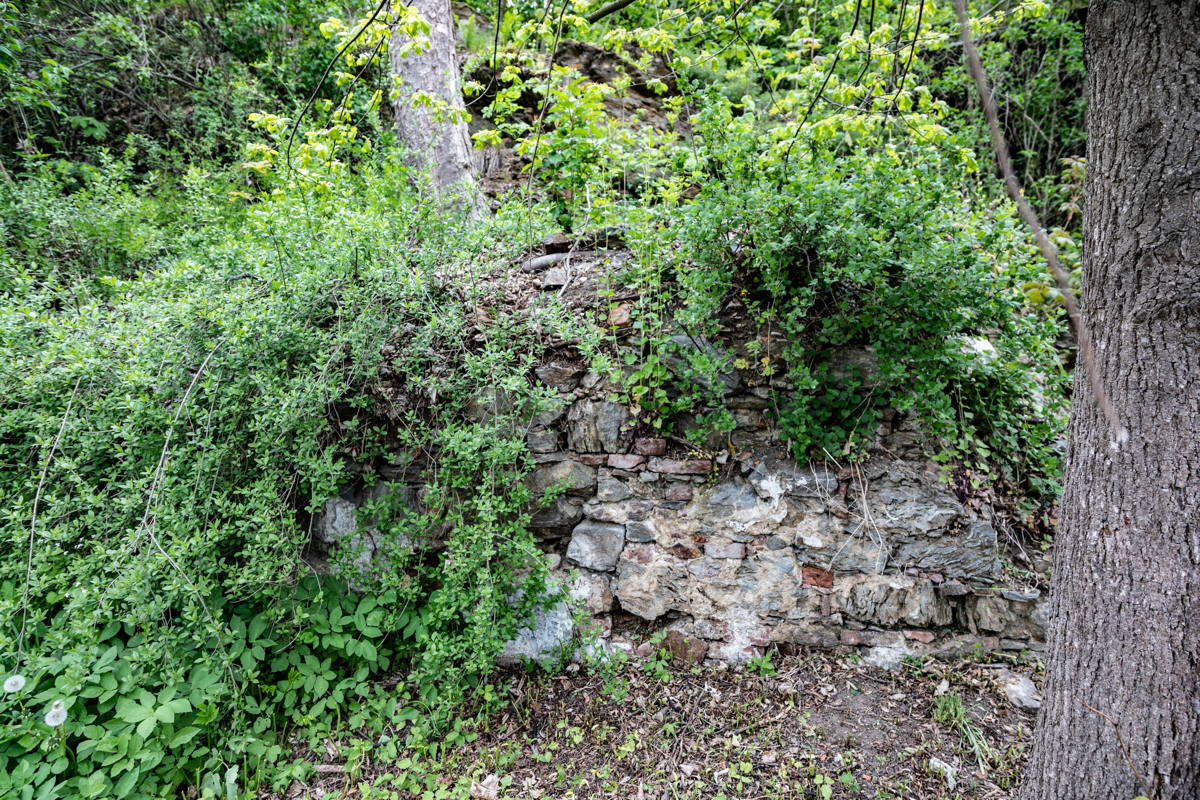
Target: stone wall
(735, 552)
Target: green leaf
(183, 737)
(125, 785)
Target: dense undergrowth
(201, 311)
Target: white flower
(57, 714)
(15, 683)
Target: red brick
(815, 576)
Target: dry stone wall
(739, 551)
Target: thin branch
(37, 499)
(611, 8)
(1150, 792)
(1087, 356)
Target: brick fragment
(815, 576)
(677, 466)
(650, 446)
(623, 461)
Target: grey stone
(885, 656)
(775, 475)
(888, 600)
(358, 541)
(640, 531)
(542, 441)
(972, 555)
(648, 581)
(1020, 619)
(555, 411)
(596, 545)
(337, 521)
(953, 589)
(944, 771)
(555, 277)
(594, 426)
(621, 512)
(592, 590)
(611, 490)
(544, 639)
(716, 550)
(1019, 690)
(577, 478)
(560, 514)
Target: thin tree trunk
(1122, 710)
(437, 138)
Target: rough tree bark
(1122, 711)
(439, 144)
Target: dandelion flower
(15, 683)
(57, 714)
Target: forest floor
(819, 726)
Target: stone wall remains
(734, 552)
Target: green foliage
(763, 665)
(74, 76)
(173, 411)
(949, 710)
(872, 251)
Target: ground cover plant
(224, 286)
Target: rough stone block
(563, 376)
(625, 511)
(542, 441)
(611, 490)
(593, 592)
(687, 649)
(594, 426)
(560, 514)
(640, 531)
(549, 632)
(677, 492)
(578, 478)
(596, 545)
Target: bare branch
(1087, 357)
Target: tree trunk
(1122, 710)
(437, 137)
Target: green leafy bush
(172, 414)
(876, 251)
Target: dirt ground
(818, 726)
